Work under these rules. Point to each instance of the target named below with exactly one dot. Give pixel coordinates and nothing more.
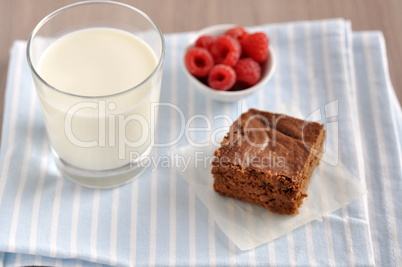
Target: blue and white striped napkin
(158, 219)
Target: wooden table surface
(19, 17)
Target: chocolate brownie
(267, 159)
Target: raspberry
(221, 77)
(237, 33)
(199, 61)
(248, 70)
(256, 46)
(226, 50)
(205, 41)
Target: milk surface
(111, 123)
(97, 62)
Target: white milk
(104, 130)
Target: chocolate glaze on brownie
(267, 159)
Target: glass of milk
(97, 68)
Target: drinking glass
(99, 141)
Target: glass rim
(56, 12)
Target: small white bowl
(228, 96)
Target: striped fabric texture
(158, 219)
